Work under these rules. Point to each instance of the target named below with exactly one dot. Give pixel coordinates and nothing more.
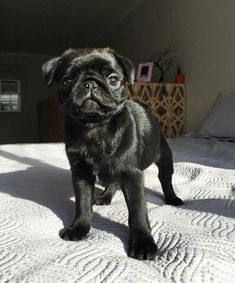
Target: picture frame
(144, 72)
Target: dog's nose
(90, 85)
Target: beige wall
(23, 126)
(203, 34)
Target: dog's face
(90, 82)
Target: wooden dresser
(166, 101)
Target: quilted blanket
(196, 242)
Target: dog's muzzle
(90, 93)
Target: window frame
(18, 93)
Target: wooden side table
(167, 103)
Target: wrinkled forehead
(96, 61)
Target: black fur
(109, 137)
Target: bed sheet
(196, 242)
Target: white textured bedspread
(196, 241)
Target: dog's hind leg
(165, 167)
(106, 197)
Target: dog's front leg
(141, 243)
(83, 184)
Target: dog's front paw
(73, 234)
(142, 247)
(174, 201)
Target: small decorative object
(164, 60)
(180, 77)
(144, 72)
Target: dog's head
(90, 82)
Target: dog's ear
(49, 69)
(127, 66)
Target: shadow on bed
(217, 206)
(51, 187)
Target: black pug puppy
(109, 137)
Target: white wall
(203, 34)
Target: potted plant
(180, 77)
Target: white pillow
(220, 121)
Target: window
(10, 99)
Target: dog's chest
(95, 148)
(95, 152)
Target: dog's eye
(113, 80)
(67, 81)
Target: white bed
(196, 241)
